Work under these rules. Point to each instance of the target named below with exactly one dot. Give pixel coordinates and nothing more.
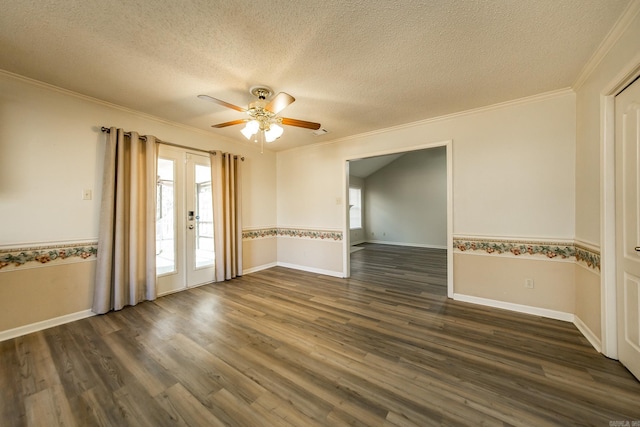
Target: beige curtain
(126, 267)
(226, 181)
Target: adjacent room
(398, 210)
(319, 213)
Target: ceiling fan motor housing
(261, 92)
(257, 109)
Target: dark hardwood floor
(287, 348)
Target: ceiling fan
(263, 115)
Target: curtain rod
(108, 130)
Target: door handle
(637, 248)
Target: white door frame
(608, 292)
(346, 267)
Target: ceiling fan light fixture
(263, 120)
(250, 129)
(274, 132)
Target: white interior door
(627, 138)
(184, 220)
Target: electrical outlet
(528, 283)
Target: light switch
(86, 194)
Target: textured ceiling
(354, 66)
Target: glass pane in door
(165, 219)
(204, 217)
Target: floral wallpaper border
(74, 252)
(587, 256)
(36, 256)
(259, 234)
(310, 234)
(292, 232)
(551, 250)
(12, 258)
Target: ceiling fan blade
(221, 102)
(231, 123)
(300, 123)
(279, 102)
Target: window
(355, 208)
(204, 217)
(165, 210)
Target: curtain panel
(126, 265)
(226, 179)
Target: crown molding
(140, 114)
(506, 104)
(609, 41)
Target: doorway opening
(405, 203)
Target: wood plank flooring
(287, 348)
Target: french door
(627, 137)
(184, 220)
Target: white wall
(406, 201)
(50, 151)
(513, 177)
(513, 170)
(623, 54)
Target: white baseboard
(527, 309)
(359, 242)
(339, 274)
(259, 268)
(45, 324)
(413, 245)
(588, 334)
